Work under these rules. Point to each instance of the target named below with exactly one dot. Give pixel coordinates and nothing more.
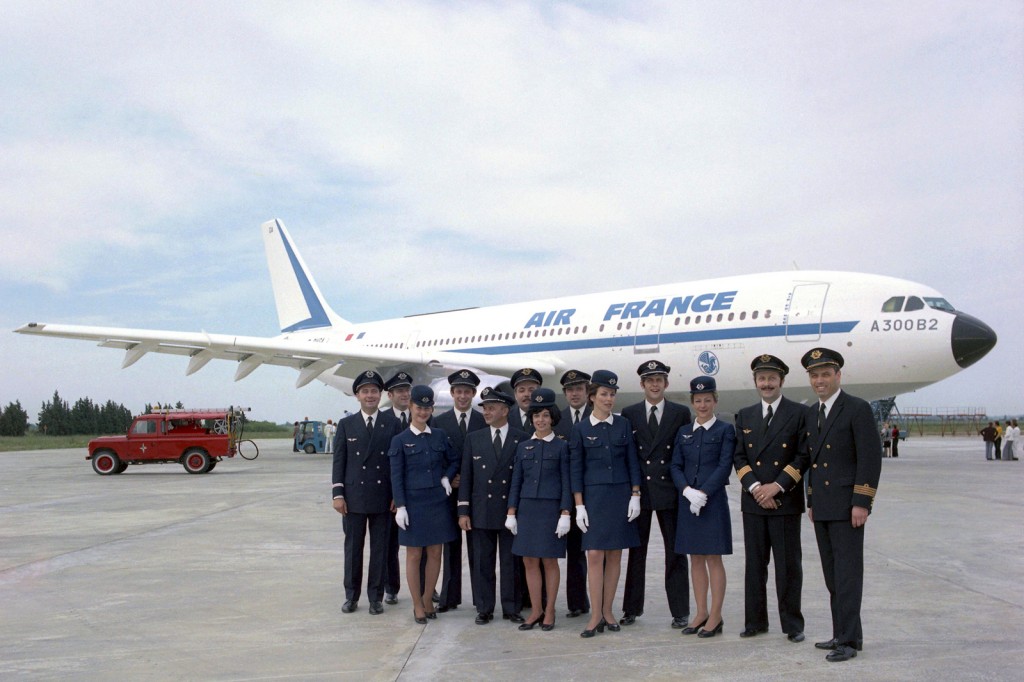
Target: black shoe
(693, 629)
(679, 623)
(514, 617)
(833, 643)
(576, 613)
(795, 636)
(446, 609)
(841, 653)
(390, 599)
(547, 627)
(712, 632)
(376, 608)
(596, 629)
(751, 632)
(349, 606)
(528, 625)
(612, 626)
(420, 620)
(627, 619)
(432, 615)
(483, 618)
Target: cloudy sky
(433, 155)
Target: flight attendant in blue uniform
(701, 461)
(539, 504)
(423, 464)
(605, 477)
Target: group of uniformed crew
(529, 484)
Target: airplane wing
(309, 359)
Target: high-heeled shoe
(613, 626)
(596, 629)
(528, 625)
(548, 627)
(693, 629)
(712, 632)
(432, 615)
(420, 620)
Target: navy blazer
(541, 472)
(420, 462)
(602, 454)
(515, 420)
(361, 472)
(486, 478)
(702, 458)
(564, 427)
(778, 456)
(449, 423)
(846, 458)
(654, 452)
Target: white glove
(694, 509)
(582, 520)
(446, 485)
(633, 510)
(695, 496)
(402, 518)
(563, 526)
(512, 524)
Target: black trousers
(490, 547)
(677, 573)
(576, 593)
(355, 526)
(773, 537)
(451, 563)
(842, 561)
(393, 574)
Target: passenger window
(914, 303)
(893, 305)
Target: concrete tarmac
(237, 575)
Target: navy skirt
(709, 533)
(537, 522)
(606, 508)
(430, 518)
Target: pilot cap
(817, 357)
(367, 377)
(652, 368)
(764, 362)
(526, 374)
(573, 377)
(422, 396)
(703, 384)
(400, 380)
(606, 378)
(464, 377)
(490, 395)
(544, 399)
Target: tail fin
(300, 305)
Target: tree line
(58, 418)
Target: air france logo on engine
(679, 305)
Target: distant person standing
(295, 437)
(886, 435)
(329, 430)
(895, 440)
(988, 434)
(1012, 436)
(998, 440)
(846, 463)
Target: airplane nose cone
(972, 339)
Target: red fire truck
(196, 439)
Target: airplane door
(648, 335)
(806, 307)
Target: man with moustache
(846, 463)
(655, 422)
(770, 460)
(574, 386)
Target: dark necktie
(652, 421)
(576, 419)
(405, 422)
(462, 423)
(497, 442)
(369, 424)
(821, 416)
(767, 420)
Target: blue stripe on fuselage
(317, 314)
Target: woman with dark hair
(701, 462)
(539, 506)
(423, 463)
(605, 477)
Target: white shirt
(706, 425)
(658, 412)
(416, 432)
(547, 439)
(774, 406)
(594, 421)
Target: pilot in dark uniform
(606, 487)
(486, 476)
(574, 387)
(846, 463)
(524, 382)
(655, 422)
(423, 464)
(770, 460)
(362, 490)
(399, 388)
(457, 422)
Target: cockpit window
(893, 305)
(939, 304)
(914, 303)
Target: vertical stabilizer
(300, 305)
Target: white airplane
(896, 335)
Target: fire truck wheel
(213, 463)
(121, 467)
(196, 461)
(106, 462)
